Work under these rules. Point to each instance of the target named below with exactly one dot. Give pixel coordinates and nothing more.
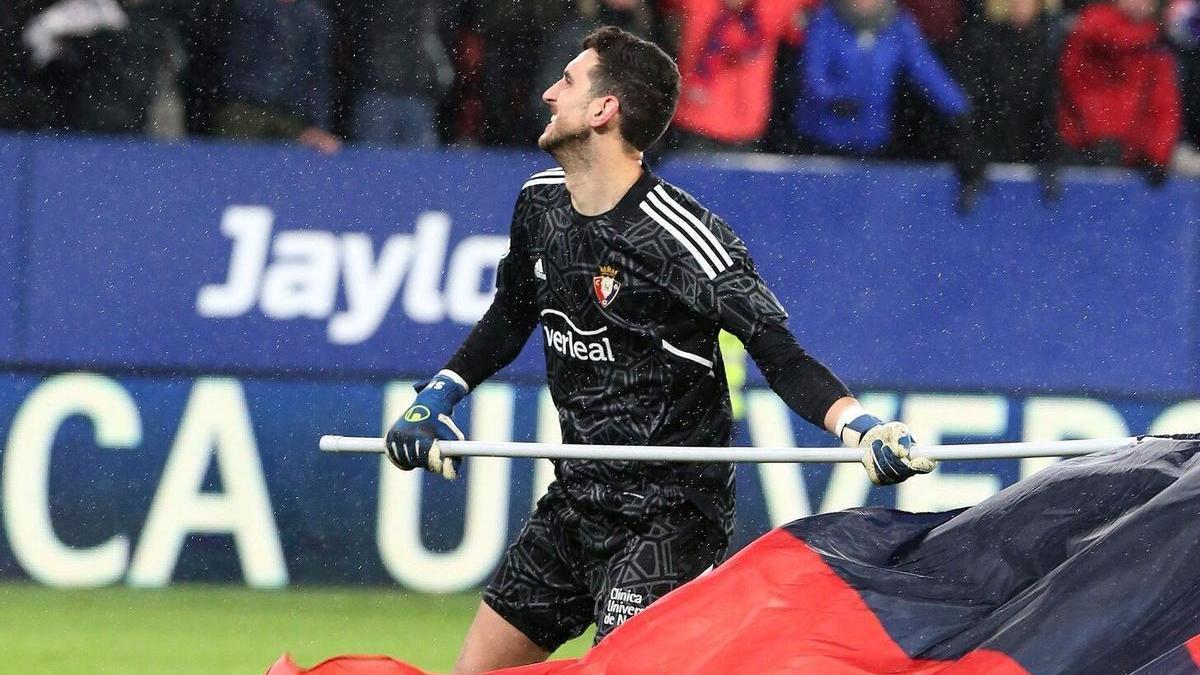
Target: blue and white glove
(885, 446)
(412, 441)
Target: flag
(345, 665)
(1091, 566)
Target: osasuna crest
(606, 285)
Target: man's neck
(597, 184)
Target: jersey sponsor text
(565, 343)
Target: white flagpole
(757, 454)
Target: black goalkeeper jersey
(629, 305)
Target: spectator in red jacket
(1120, 100)
(727, 52)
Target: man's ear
(604, 109)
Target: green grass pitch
(225, 630)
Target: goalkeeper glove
(412, 441)
(885, 446)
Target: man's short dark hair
(642, 77)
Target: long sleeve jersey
(630, 303)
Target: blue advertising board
(886, 280)
(224, 257)
(210, 257)
(12, 242)
(180, 323)
(146, 481)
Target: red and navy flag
(1091, 566)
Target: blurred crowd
(1044, 82)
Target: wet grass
(225, 630)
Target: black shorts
(569, 569)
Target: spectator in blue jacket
(854, 58)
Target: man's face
(569, 101)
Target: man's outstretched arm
(492, 344)
(817, 395)
(496, 340)
(733, 295)
(804, 384)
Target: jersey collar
(628, 206)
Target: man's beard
(558, 145)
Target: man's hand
(320, 140)
(885, 448)
(412, 441)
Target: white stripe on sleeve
(695, 221)
(689, 230)
(687, 243)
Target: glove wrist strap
(853, 423)
(455, 377)
(445, 390)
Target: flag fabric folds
(1091, 566)
(346, 665)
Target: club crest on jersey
(606, 285)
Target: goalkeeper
(630, 279)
